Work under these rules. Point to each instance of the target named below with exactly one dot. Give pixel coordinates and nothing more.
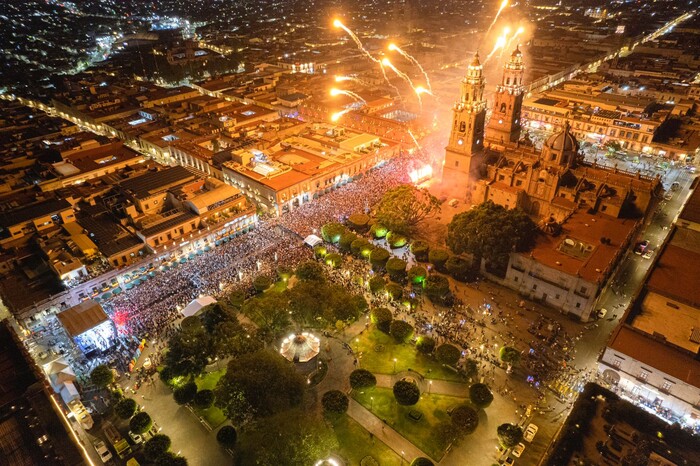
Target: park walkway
(437, 387)
(384, 432)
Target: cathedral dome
(563, 141)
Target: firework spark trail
(500, 43)
(519, 31)
(504, 4)
(339, 24)
(405, 77)
(415, 141)
(336, 116)
(506, 31)
(410, 58)
(354, 96)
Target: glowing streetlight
(394, 365)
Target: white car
(137, 439)
(518, 450)
(648, 253)
(530, 432)
(602, 313)
(101, 449)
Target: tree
(284, 272)
(234, 339)
(101, 376)
(425, 344)
(509, 435)
(509, 355)
(378, 258)
(170, 459)
(289, 438)
(311, 271)
(612, 146)
(480, 395)
(261, 283)
(204, 399)
(377, 284)
(270, 312)
(125, 408)
(140, 423)
(417, 274)
(401, 330)
(268, 383)
(437, 288)
(406, 393)
(185, 394)
(465, 419)
(362, 378)
(216, 313)
(192, 325)
(422, 461)
(396, 240)
(403, 207)
(156, 446)
(459, 268)
(346, 240)
(320, 251)
(361, 248)
(333, 259)
(438, 257)
(420, 250)
(444, 434)
(189, 352)
(394, 290)
(378, 231)
(381, 317)
(331, 232)
(448, 354)
(491, 232)
(227, 436)
(358, 222)
(396, 269)
(335, 402)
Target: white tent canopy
(69, 392)
(196, 305)
(312, 240)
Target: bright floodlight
(392, 47)
(337, 23)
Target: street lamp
(371, 403)
(402, 455)
(430, 385)
(394, 365)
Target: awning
(312, 240)
(116, 291)
(107, 295)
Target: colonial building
(504, 125)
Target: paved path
(437, 387)
(384, 432)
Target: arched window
(507, 81)
(503, 107)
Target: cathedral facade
(554, 181)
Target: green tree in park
(101, 376)
(401, 330)
(140, 423)
(185, 394)
(480, 395)
(448, 354)
(346, 240)
(378, 258)
(320, 251)
(216, 313)
(358, 222)
(438, 257)
(612, 146)
(465, 419)
(437, 288)
(170, 459)
(125, 408)
(377, 284)
(361, 248)
(396, 240)
(459, 268)
(491, 232)
(425, 344)
(227, 436)
(335, 402)
(156, 446)
(261, 283)
(509, 355)
(189, 350)
(268, 383)
(396, 268)
(382, 317)
(270, 312)
(311, 271)
(362, 378)
(378, 231)
(417, 275)
(395, 291)
(403, 207)
(292, 437)
(406, 393)
(204, 399)
(331, 232)
(509, 435)
(420, 250)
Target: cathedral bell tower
(469, 115)
(504, 125)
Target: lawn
(278, 287)
(406, 355)
(214, 416)
(380, 401)
(355, 444)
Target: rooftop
(154, 182)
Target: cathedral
(494, 164)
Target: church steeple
(504, 125)
(469, 115)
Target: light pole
(402, 455)
(430, 385)
(394, 365)
(371, 403)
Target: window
(456, 163)
(515, 279)
(667, 385)
(617, 363)
(643, 374)
(534, 287)
(557, 296)
(673, 305)
(578, 305)
(583, 290)
(518, 182)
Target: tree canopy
(156, 446)
(403, 207)
(125, 408)
(101, 376)
(140, 423)
(406, 393)
(270, 312)
(465, 419)
(480, 395)
(335, 402)
(509, 355)
(227, 436)
(509, 435)
(448, 354)
(492, 232)
(362, 378)
(261, 383)
(311, 271)
(401, 330)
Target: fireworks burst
(352, 95)
(396, 48)
(500, 43)
(504, 4)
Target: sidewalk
(437, 387)
(383, 432)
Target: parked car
(641, 247)
(518, 450)
(602, 313)
(648, 254)
(103, 451)
(509, 461)
(453, 202)
(530, 432)
(136, 438)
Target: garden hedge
(438, 257)
(396, 240)
(378, 258)
(396, 269)
(381, 317)
(331, 232)
(420, 250)
(359, 222)
(378, 231)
